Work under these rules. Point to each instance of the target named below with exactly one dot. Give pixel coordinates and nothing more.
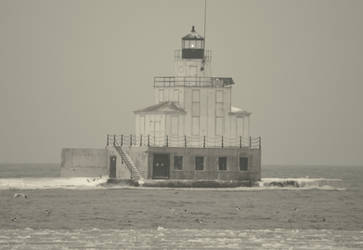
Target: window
(193, 70)
(176, 95)
(219, 113)
(219, 126)
(174, 125)
(187, 44)
(222, 163)
(243, 163)
(195, 111)
(219, 95)
(178, 162)
(161, 95)
(195, 95)
(195, 125)
(199, 163)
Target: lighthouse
(190, 136)
(191, 132)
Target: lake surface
(320, 217)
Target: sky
(73, 71)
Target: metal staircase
(136, 174)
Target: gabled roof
(239, 112)
(163, 107)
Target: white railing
(184, 141)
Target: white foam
(51, 183)
(304, 183)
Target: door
(112, 167)
(161, 165)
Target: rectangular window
(199, 163)
(195, 109)
(219, 109)
(239, 126)
(178, 162)
(195, 102)
(195, 95)
(193, 70)
(222, 163)
(219, 113)
(174, 125)
(176, 95)
(243, 163)
(161, 95)
(219, 96)
(219, 126)
(195, 125)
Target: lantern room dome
(193, 35)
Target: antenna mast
(205, 19)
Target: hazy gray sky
(73, 71)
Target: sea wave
(165, 238)
(304, 183)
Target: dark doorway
(161, 165)
(112, 167)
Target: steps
(136, 174)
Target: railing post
(122, 140)
(222, 142)
(114, 140)
(185, 141)
(108, 142)
(148, 140)
(250, 142)
(259, 142)
(130, 140)
(167, 141)
(140, 140)
(240, 142)
(203, 141)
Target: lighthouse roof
(163, 107)
(193, 35)
(239, 112)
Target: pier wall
(84, 162)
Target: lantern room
(193, 45)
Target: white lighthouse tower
(192, 103)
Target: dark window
(243, 163)
(199, 163)
(222, 163)
(178, 162)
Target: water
(180, 239)
(348, 193)
(21, 170)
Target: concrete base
(181, 183)
(196, 183)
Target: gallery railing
(184, 141)
(191, 81)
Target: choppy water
(180, 239)
(325, 178)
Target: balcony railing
(192, 81)
(184, 141)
